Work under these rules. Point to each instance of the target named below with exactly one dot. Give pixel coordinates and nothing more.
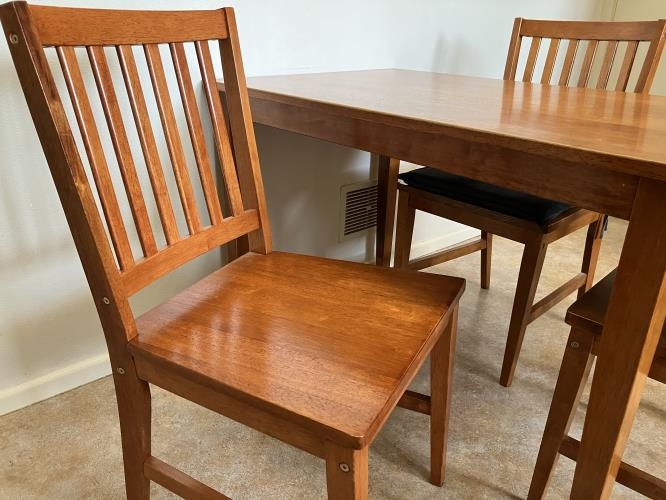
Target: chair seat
(330, 343)
(589, 312)
(498, 199)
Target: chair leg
(574, 372)
(486, 259)
(404, 230)
(346, 473)
(441, 379)
(591, 253)
(387, 188)
(528, 279)
(133, 397)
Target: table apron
(585, 186)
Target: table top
(624, 132)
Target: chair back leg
(404, 230)
(486, 259)
(346, 473)
(591, 253)
(575, 369)
(528, 279)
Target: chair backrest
(38, 35)
(608, 38)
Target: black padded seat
(498, 199)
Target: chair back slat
(148, 144)
(220, 127)
(172, 136)
(195, 127)
(607, 64)
(121, 147)
(98, 163)
(532, 59)
(567, 66)
(137, 60)
(597, 67)
(586, 68)
(627, 64)
(549, 65)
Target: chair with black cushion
(521, 217)
(314, 352)
(586, 317)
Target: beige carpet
(69, 446)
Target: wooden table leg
(387, 182)
(633, 325)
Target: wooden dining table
(596, 149)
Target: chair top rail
(58, 26)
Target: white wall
(50, 338)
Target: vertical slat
(148, 144)
(514, 50)
(652, 59)
(121, 146)
(627, 64)
(567, 66)
(550, 61)
(93, 146)
(196, 131)
(172, 137)
(607, 65)
(531, 59)
(586, 68)
(220, 128)
(242, 129)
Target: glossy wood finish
(429, 118)
(288, 343)
(533, 237)
(314, 352)
(605, 141)
(587, 316)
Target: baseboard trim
(423, 248)
(53, 383)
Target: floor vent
(359, 209)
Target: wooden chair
(533, 221)
(314, 352)
(586, 317)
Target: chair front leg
(528, 279)
(133, 397)
(575, 369)
(441, 379)
(346, 473)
